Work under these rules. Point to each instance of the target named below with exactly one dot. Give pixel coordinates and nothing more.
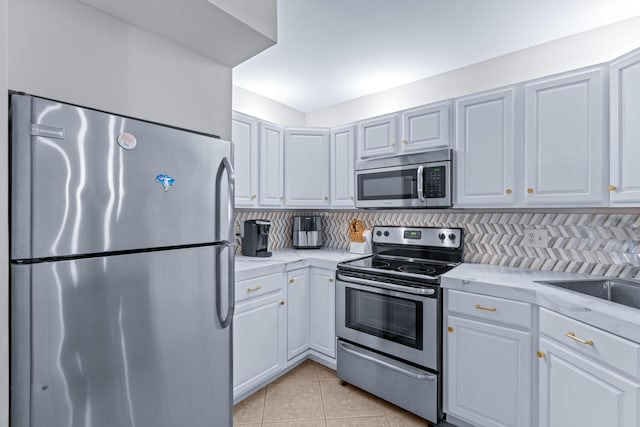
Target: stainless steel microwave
(421, 180)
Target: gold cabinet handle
(508, 191)
(330, 280)
(281, 197)
(530, 190)
(479, 307)
(292, 280)
(326, 198)
(612, 188)
(281, 302)
(405, 142)
(580, 340)
(450, 329)
(350, 197)
(253, 196)
(258, 287)
(540, 354)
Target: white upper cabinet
(624, 182)
(486, 154)
(564, 138)
(306, 162)
(271, 186)
(244, 134)
(426, 128)
(378, 136)
(342, 163)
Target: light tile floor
(311, 395)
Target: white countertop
(290, 259)
(519, 284)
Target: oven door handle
(413, 374)
(420, 183)
(390, 286)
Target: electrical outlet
(537, 238)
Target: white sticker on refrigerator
(127, 141)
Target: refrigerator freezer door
(90, 182)
(126, 340)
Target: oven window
(398, 184)
(392, 318)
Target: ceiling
(332, 51)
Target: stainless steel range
(389, 316)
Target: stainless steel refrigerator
(121, 271)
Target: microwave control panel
(435, 179)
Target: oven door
(393, 187)
(400, 324)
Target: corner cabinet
(378, 136)
(244, 134)
(342, 167)
(486, 149)
(306, 167)
(624, 181)
(298, 312)
(259, 331)
(586, 376)
(322, 312)
(488, 360)
(271, 186)
(426, 128)
(565, 127)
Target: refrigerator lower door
(120, 341)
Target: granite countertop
(290, 259)
(519, 284)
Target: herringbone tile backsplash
(591, 243)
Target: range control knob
(386, 234)
(378, 233)
(441, 236)
(452, 236)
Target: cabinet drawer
(258, 286)
(600, 345)
(490, 308)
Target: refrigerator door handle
(228, 243)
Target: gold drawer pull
(258, 287)
(612, 188)
(281, 302)
(479, 307)
(540, 354)
(330, 280)
(580, 340)
(405, 142)
(253, 196)
(530, 190)
(292, 280)
(508, 191)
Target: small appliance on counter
(307, 232)
(255, 237)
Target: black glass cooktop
(402, 267)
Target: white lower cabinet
(297, 312)
(586, 376)
(259, 334)
(488, 363)
(322, 312)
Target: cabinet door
(306, 162)
(244, 134)
(378, 136)
(426, 128)
(297, 312)
(258, 341)
(271, 188)
(574, 391)
(342, 164)
(625, 129)
(488, 373)
(486, 155)
(322, 312)
(564, 137)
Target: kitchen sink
(626, 292)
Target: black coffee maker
(255, 237)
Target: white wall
(72, 52)
(588, 48)
(4, 231)
(255, 105)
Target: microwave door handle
(420, 184)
